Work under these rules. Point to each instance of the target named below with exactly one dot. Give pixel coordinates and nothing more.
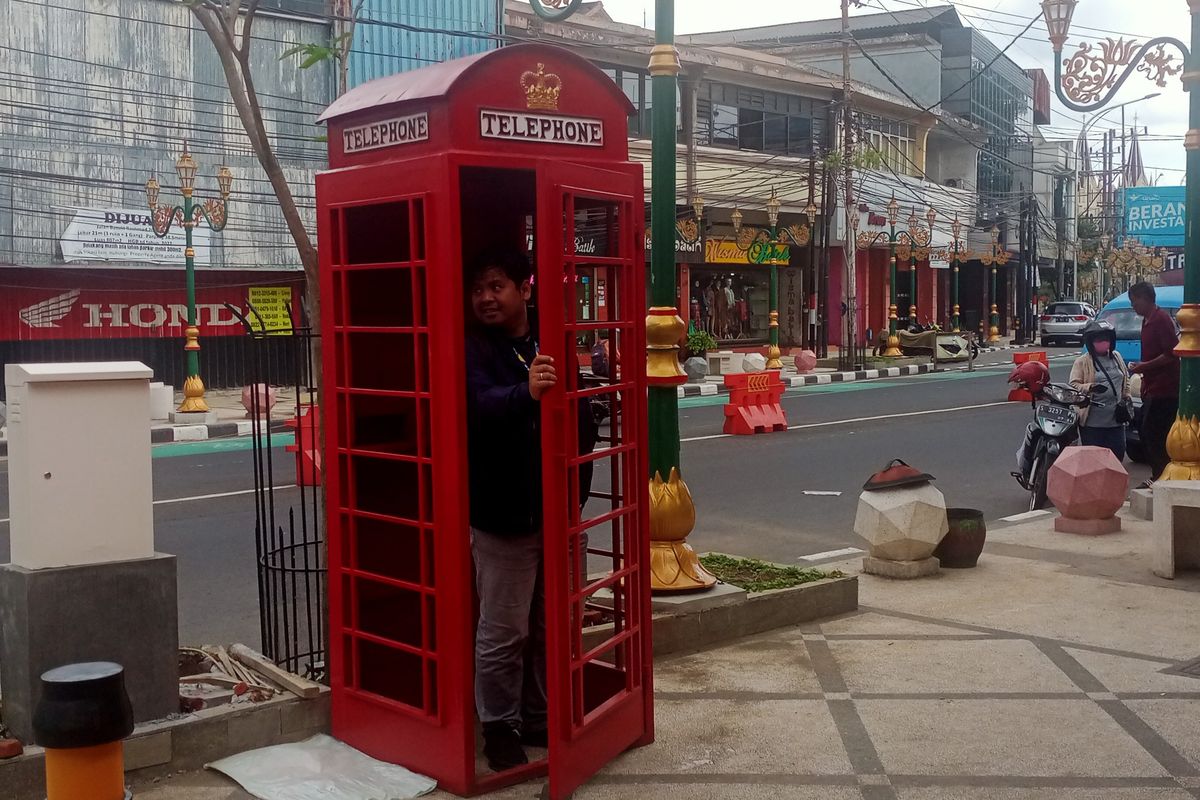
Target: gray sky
(1000, 20)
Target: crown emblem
(541, 89)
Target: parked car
(1064, 320)
(1119, 313)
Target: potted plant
(699, 343)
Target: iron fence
(288, 500)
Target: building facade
(97, 98)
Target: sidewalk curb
(166, 434)
(712, 389)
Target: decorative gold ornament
(1189, 330)
(674, 565)
(541, 89)
(193, 395)
(893, 341)
(994, 331)
(664, 329)
(1183, 445)
(664, 60)
(688, 228)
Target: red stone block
(1087, 483)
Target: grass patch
(759, 576)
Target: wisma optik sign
(1155, 215)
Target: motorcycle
(1055, 427)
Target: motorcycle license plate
(1056, 413)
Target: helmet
(1032, 375)
(1099, 329)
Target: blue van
(1119, 312)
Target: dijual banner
(1154, 215)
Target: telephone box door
(599, 680)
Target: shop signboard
(88, 310)
(1154, 215)
(127, 235)
(727, 251)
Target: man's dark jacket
(504, 438)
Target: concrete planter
(759, 612)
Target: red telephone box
(524, 146)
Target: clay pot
(961, 546)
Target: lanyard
(521, 358)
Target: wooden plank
(302, 687)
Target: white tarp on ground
(320, 768)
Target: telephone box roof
(440, 80)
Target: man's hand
(542, 376)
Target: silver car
(1064, 320)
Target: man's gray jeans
(510, 641)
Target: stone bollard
(806, 361)
(754, 362)
(1087, 485)
(903, 518)
(259, 393)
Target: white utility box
(79, 480)
(162, 401)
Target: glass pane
(724, 126)
(750, 124)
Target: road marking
(823, 494)
(217, 496)
(832, 423)
(844, 552)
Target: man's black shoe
(502, 748)
(534, 738)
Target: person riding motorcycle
(1103, 425)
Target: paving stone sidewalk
(1043, 673)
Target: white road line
(171, 500)
(218, 495)
(859, 419)
(1025, 516)
(845, 551)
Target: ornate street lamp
(997, 256)
(213, 213)
(955, 253)
(1086, 81)
(772, 238)
(674, 565)
(910, 245)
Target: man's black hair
(512, 263)
(1143, 290)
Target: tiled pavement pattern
(1038, 675)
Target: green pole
(189, 255)
(995, 332)
(956, 323)
(912, 289)
(1183, 443)
(892, 280)
(664, 67)
(773, 351)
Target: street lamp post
(1089, 81)
(772, 238)
(997, 256)
(958, 252)
(213, 213)
(910, 241)
(917, 243)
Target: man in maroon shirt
(1159, 368)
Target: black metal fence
(289, 528)
(225, 361)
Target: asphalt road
(750, 491)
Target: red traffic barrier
(307, 447)
(753, 405)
